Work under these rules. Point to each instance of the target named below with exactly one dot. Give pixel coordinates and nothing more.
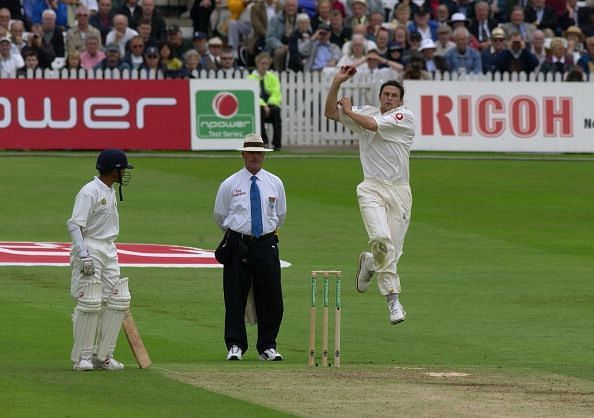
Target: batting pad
(111, 319)
(85, 319)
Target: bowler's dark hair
(393, 83)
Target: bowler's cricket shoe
(397, 314)
(364, 273)
(271, 354)
(83, 365)
(234, 353)
(109, 363)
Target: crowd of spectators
(402, 38)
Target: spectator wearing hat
(121, 33)
(575, 42)
(339, 33)
(10, 62)
(92, 55)
(586, 61)
(75, 37)
(103, 19)
(113, 59)
(463, 59)
(541, 15)
(318, 51)
(296, 40)
(423, 24)
(481, 25)
(433, 63)
(210, 61)
(270, 99)
(179, 45)
(152, 61)
(443, 43)
(359, 14)
(280, 27)
(559, 61)
(357, 53)
(200, 43)
(519, 25)
(516, 57)
(497, 45)
(458, 20)
(260, 15)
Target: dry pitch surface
(403, 392)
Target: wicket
(325, 320)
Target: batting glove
(87, 266)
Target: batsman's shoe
(397, 314)
(110, 364)
(271, 354)
(364, 273)
(234, 353)
(83, 365)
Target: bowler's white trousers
(385, 208)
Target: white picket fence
(304, 95)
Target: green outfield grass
(497, 275)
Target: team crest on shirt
(398, 116)
(103, 201)
(238, 192)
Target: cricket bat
(135, 341)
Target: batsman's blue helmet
(111, 159)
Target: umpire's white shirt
(232, 205)
(384, 153)
(96, 211)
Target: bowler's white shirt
(384, 153)
(232, 205)
(96, 211)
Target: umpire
(250, 206)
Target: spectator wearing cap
(463, 59)
(132, 11)
(260, 14)
(92, 55)
(112, 60)
(458, 20)
(10, 62)
(497, 45)
(200, 43)
(121, 33)
(200, 14)
(339, 33)
(158, 26)
(559, 61)
(318, 51)
(481, 25)
(52, 34)
(575, 42)
(179, 45)
(296, 40)
(322, 14)
(280, 27)
(239, 25)
(210, 61)
(152, 61)
(516, 57)
(423, 24)
(103, 19)
(359, 14)
(134, 55)
(75, 37)
(357, 53)
(444, 43)
(433, 63)
(541, 15)
(517, 24)
(586, 61)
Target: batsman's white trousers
(107, 268)
(385, 208)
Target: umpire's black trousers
(253, 261)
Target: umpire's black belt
(246, 237)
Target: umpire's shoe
(234, 353)
(364, 272)
(271, 354)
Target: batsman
(102, 296)
(385, 137)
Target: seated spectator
(376, 21)
(121, 33)
(588, 26)
(75, 37)
(73, 61)
(152, 61)
(559, 61)
(103, 19)
(357, 53)
(134, 56)
(395, 51)
(376, 64)
(382, 39)
(587, 59)
(540, 15)
(210, 61)
(339, 33)
(359, 14)
(412, 50)
(260, 15)
(31, 65)
(92, 55)
(322, 15)
(145, 29)
(518, 25)
(489, 54)
(423, 24)
(112, 60)
(516, 57)
(308, 7)
(191, 62)
(200, 13)
(9, 63)
(432, 63)
(239, 25)
(52, 34)
(280, 27)
(158, 26)
(220, 19)
(17, 32)
(463, 59)
(168, 61)
(482, 24)
(461, 6)
(575, 42)
(199, 43)
(414, 70)
(45, 53)
(537, 47)
(5, 19)
(442, 15)
(318, 51)
(178, 44)
(443, 44)
(228, 62)
(571, 15)
(458, 20)
(339, 6)
(360, 30)
(270, 99)
(296, 40)
(60, 9)
(401, 16)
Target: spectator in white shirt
(121, 33)
(9, 62)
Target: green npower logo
(225, 114)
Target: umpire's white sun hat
(253, 142)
